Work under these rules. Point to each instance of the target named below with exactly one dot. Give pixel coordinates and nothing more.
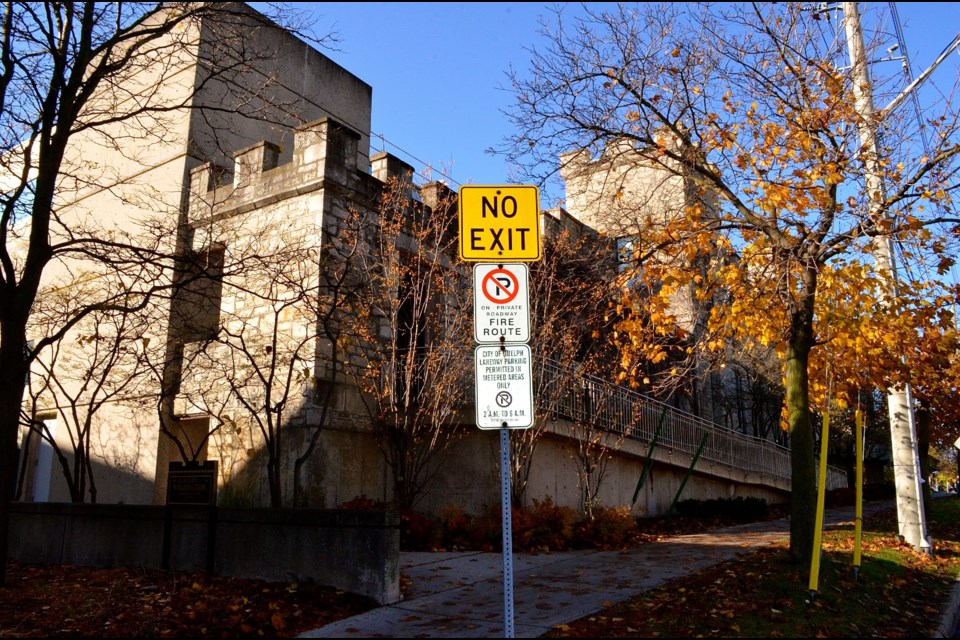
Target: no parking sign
(501, 309)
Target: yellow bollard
(858, 508)
(821, 497)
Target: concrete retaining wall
(469, 477)
(357, 551)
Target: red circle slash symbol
(500, 286)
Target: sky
(438, 71)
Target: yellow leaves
(865, 340)
(944, 265)
(658, 317)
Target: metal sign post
(506, 517)
(498, 224)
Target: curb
(952, 615)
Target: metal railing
(563, 392)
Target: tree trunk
(12, 382)
(522, 446)
(803, 499)
(802, 461)
(402, 498)
(274, 474)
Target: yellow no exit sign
(499, 223)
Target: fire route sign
(501, 308)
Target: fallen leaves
(762, 595)
(87, 602)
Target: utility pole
(903, 433)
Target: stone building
(262, 170)
(628, 194)
(206, 90)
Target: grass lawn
(897, 593)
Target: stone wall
(357, 551)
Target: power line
(383, 140)
(908, 72)
(918, 115)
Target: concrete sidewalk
(460, 595)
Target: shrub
(543, 526)
(417, 532)
(456, 528)
(364, 503)
(488, 529)
(610, 528)
(236, 495)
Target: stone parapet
(324, 153)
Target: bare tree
(417, 326)
(115, 75)
(276, 350)
(254, 366)
(569, 294)
(103, 361)
(599, 425)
